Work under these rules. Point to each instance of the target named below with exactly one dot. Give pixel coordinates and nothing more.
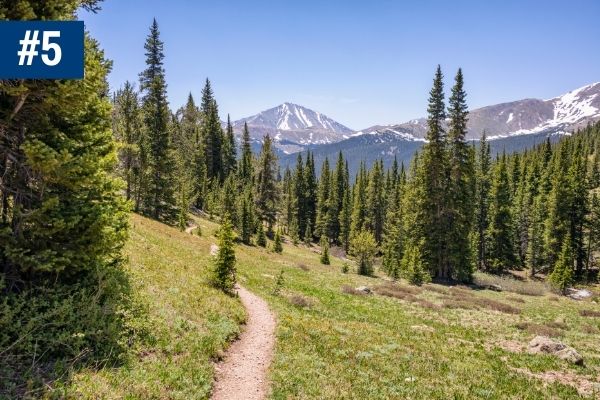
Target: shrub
(277, 246)
(300, 301)
(345, 268)
(350, 290)
(528, 288)
(324, 251)
(279, 282)
(223, 274)
(261, 238)
(590, 313)
(538, 329)
(363, 247)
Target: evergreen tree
(415, 270)
(562, 274)
(359, 207)
(128, 132)
(245, 169)
(310, 195)
(338, 186)
(434, 171)
(482, 198)
(461, 190)
(160, 199)
(502, 252)
(246, 217)
(394, 236)
(321, 228)
(324, 250)
(364, 248)
(224, 270)
(229, 150)
(345, 216)
(277, 246)
(267, 193)
(261, 239)
(212, 134)
(375, 201)
(300, 195)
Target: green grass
(190, 323)
(346, 346)
(336, 345)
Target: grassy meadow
(333, 342)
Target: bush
(277, 246)
(279, 282)
(324, 251)
(345, 268)
(364, 247)
(223, 274)
(300, 301)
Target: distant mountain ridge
(560, 115)
(293, 127)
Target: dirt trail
(189, 229)
(242, 375)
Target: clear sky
(360, 62)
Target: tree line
(454, 210)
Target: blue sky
(360, 62)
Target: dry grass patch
(454, 304)
(590, 329)
(539, 329)
(515, 299)
(590, 313)
(584, 386)
(350, 290)
(300, 301)
(437, 289)
(526, 287)
(303, 267)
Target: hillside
(334, 343)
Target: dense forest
(76, 158)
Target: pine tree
(308, 235)
(212, 134)
(364, 248)
(394, 236)
(310, 197)
(228, 207)
(375, 201)
(160, 199)
(482, 198)
(245, 169)
(277, 246)
(415, 270)
(338, 186)
(359, 206)
(461, 190)
(562, 274)
(224, 270)
(128, 132)
(261, 239)
(229, 150)
(299, 193)
(434, 171)
(267, 193)
(345, 216)
(324, 251)
(246, 217)
(502, 254)
(321, 228)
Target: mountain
(510, 127)
(293, 127)
(561, 114)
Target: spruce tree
(246, 169)
(160, 199)
(394, 236)
(375, 201)
(277, 246)
(415, 270)
(310, 186)
(321, 228)
(267, 193)
(324, 251)
(461, 190)
(562, 274)
(229, 150)
(502, 254)
(364, 248)
(212, 134)
(261, 238)
(434, 171)
(359, 206)
(224, 270)
(345, 217)
(128, 132)
(482, 199)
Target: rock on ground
(542, 344)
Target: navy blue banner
(41, 49)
